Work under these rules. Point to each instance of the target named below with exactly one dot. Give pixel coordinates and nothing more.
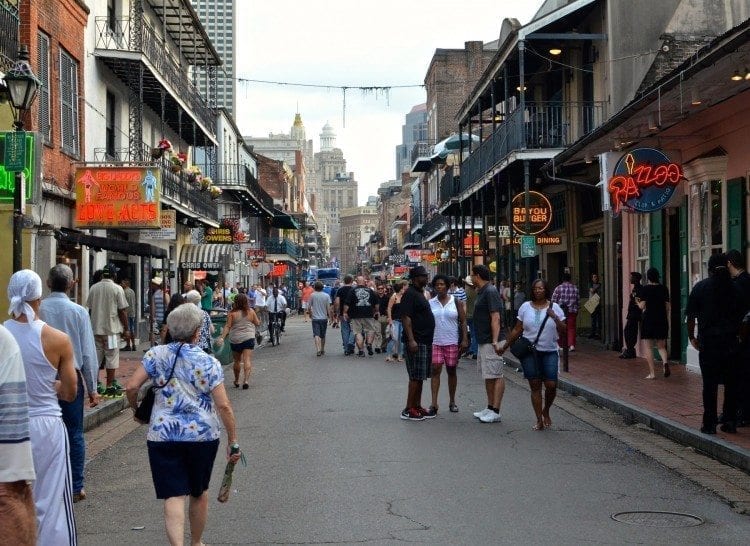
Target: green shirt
(207, 299)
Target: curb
(105, 411)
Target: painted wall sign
(643, 180)
(539, 214)
(127, 197)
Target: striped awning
(207, 257)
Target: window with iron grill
(558, 211)
(69, 104)
(44, 125)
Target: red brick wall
(64, 21)
(271, 177)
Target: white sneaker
(479, 414)
(490, 417)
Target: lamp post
(22, 85)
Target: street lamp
(22, 86)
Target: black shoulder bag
(143, 412)
(523, 347)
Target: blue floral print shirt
(183, 409)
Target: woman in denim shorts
(541, 365)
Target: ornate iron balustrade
(282, 246)
(236, 174)
(9, 22)
(115, 35)
(433, 225)
(538, 126)
(420, 149)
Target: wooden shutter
(736, 205)
(656, 242)
(42, 54)
(69, 103)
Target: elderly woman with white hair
(183, 433)
(204, 339)
(49, 364)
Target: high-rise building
(412, 131)
(219, 18)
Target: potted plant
(175, 164)
(214, 191)
(163, 147)
(194, 174)
(204, 183)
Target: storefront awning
(207, 257)
(281, 220)
(114, 245)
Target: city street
(329, 461)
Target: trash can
(222, 352)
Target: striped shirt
(459, 294)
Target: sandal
(667, 371)
(236, 385)
(388, 359)
(453, 408)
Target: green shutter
(684, 279)
(656, 242)
(736, 236)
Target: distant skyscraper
(413, 131)
(219, 18)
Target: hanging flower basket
(215, 192)
(204, 183)
(164, 145)
(156, 153)
(176, 164)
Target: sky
(351, 43)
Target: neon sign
(127, 197)
(643, 181)
(539, 214)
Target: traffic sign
(14, 158)
(528, 246)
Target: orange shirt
(306, 293)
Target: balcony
(8, 34)
(177, 188)
(434, 227)
(281, 246)
(125, 46)
(421, 149)
(540, 125)
(237, 177)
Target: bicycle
(274, 328)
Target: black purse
(144, 409)
(522, 347)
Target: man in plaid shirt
(566, 296)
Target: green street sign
(14, 157)
(31, 165)
(528, 246)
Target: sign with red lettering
(124, 197)
(643, 181)
(538, 215)
(473, 245)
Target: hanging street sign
(528, 246)
(14, 157)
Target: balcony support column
(496, 192)
(135, 114)
(522, 92)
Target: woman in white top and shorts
(449, 313)
(240, 327)
(541, 365)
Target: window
(706, 234)
(111, 123)
(643, 234)
(42, 53)
(69, 104)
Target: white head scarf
(24, 286)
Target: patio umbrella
(453, 144)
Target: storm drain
(650, 518)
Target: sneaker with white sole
(490, 417)
(412, 414)
(479, 414)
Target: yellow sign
(126, 197)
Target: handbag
(522, 347)
(144, 409)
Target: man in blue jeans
(342, 296)
(60, 312)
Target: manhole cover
(657, 519)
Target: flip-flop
(236, 385)
(453, 408)
(538, 426)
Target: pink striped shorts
(445, 354)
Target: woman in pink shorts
(450, 331)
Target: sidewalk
(672, 406)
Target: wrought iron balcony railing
(115, 35)
(421, 149)
(282, 246)
(433, 226)
(8, 34)
(236, 174)
(539, 125)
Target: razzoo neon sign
(643, 181)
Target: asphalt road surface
(330, 462)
